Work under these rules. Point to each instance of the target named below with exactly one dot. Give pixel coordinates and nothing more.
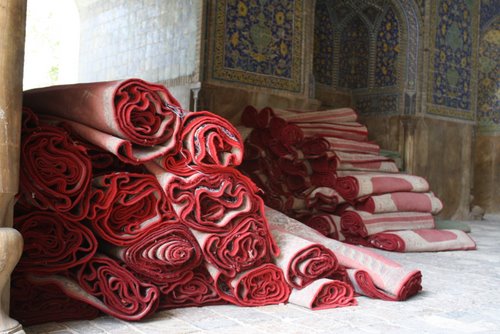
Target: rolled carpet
(324, 199)
(317, 116)
(387, 275)
(56, 173)
(301, 260)
(33, 303)
(52, 244)
(324, 294)
(124, 205)
(361, 185)
(198, 290)
(263, 285)
(208, 141)
(363, 224)
(209, 202)
(249, 244)
(144, 117)
(423, 240)
(115, 290)
(163, 253)
(326, 224)
(401, 201)
(347, 130)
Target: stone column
(12, 27)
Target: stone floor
(461, 295)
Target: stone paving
(461, 295)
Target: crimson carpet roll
(197, 290)
(317, 116)
(361, 185)
(401, 201)
(52, 244)
(326, 224)
(423, 240)
(302, 261)
(363, 224)
(144, 118)
(395, 280)
(124, 205)
(208, 141)
(209, 202)
(56, 172)
(324, 294)
(163, 254)
(33, 303)
(249, 244)
(116, 290)
(264, 285)
(324, 199)
(348, 130)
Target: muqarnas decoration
(259, 42)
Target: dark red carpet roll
(124, 205)
(118, 292)
(56, 172)
(52, 244)
(249, 244)
(163, 253)
(264, 285)
(323, 294)
(34, 303)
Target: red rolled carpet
(125, 205)
(55, 173)
(163, 254)
(137, 119)
(264, 285)
(324, 294)
(322, 116)
(423, 240)
(326, 224)
(116, 290)
(302, 261)
(52, 244)
(208, 141)
(34, 303)
(249, 244)
(401, 201)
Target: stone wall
(156, 40)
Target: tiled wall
(157, 40)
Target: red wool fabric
(324, 294)
(401, 201)
(264, 285)
(52, 244)
(125, 205)
(248, 245)
(56, 173)
(313, 116)
(163, 254)
(34, 303)
(137, 119)
(326, 224)
(116, 290)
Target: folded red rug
(424, 240)
(249, 244)
(326, 224)
(33, 303)
(317, 116)
(365, 162)
(386, 274)
(364, 285)
(52, 244)
(353, 146)
(363, 224)
(197, 290)
(324, 199)
(55, 173)
(162, 254)
(124, 205)
(209, 202)
(324, 294)
(143, 117)
(115, 290)
(264, 285)
(207, 140)
(301, 260)
(401, 201)
(348, 130)
(361, 185)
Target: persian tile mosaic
(387, 55)
(323, 44)
(259, 42)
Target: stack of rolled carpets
(318, 167)
(132, 204)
